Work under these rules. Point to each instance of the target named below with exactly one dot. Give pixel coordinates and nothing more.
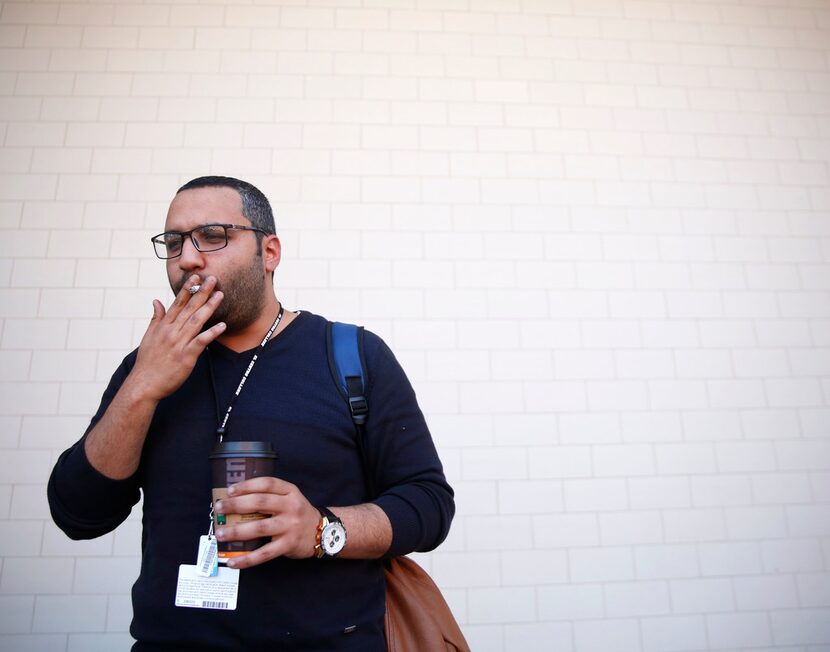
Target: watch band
(325, 511)
(319, 553)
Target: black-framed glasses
(206, 238)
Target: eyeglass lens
(206, 238)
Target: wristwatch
(331, 534)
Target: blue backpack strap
(345, 352)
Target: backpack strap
(345, 353)
(344, 343)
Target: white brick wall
(595, 232)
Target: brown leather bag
(418, 618)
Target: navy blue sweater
(291, 400)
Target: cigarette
(194, 289)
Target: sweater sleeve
(85, 503)
(407, 474)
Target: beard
(242, 304)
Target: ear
(271, 252)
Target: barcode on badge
(208, 604)
(207, 556)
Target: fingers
(254, 558)
(190, 313)
(204, 338)
(262, 494)
(183, 296)
(193, 322)
(195, 302)
(289, 538)
(256, 529)
(182, 330)
(260, 555)
(250, 504)
(262, 484)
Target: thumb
(158, 310)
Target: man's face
(238, 268)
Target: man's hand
(291, 524)
(166, 356)
(174, 339)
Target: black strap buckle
(359, 409)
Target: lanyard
(220, 431)
(207, 559)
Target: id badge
(212, 592)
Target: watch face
(333, 538)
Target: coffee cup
(232, 462)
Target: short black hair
(255, 206)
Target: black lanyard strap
(220, 431)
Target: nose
(191, 258)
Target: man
(158, 422)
